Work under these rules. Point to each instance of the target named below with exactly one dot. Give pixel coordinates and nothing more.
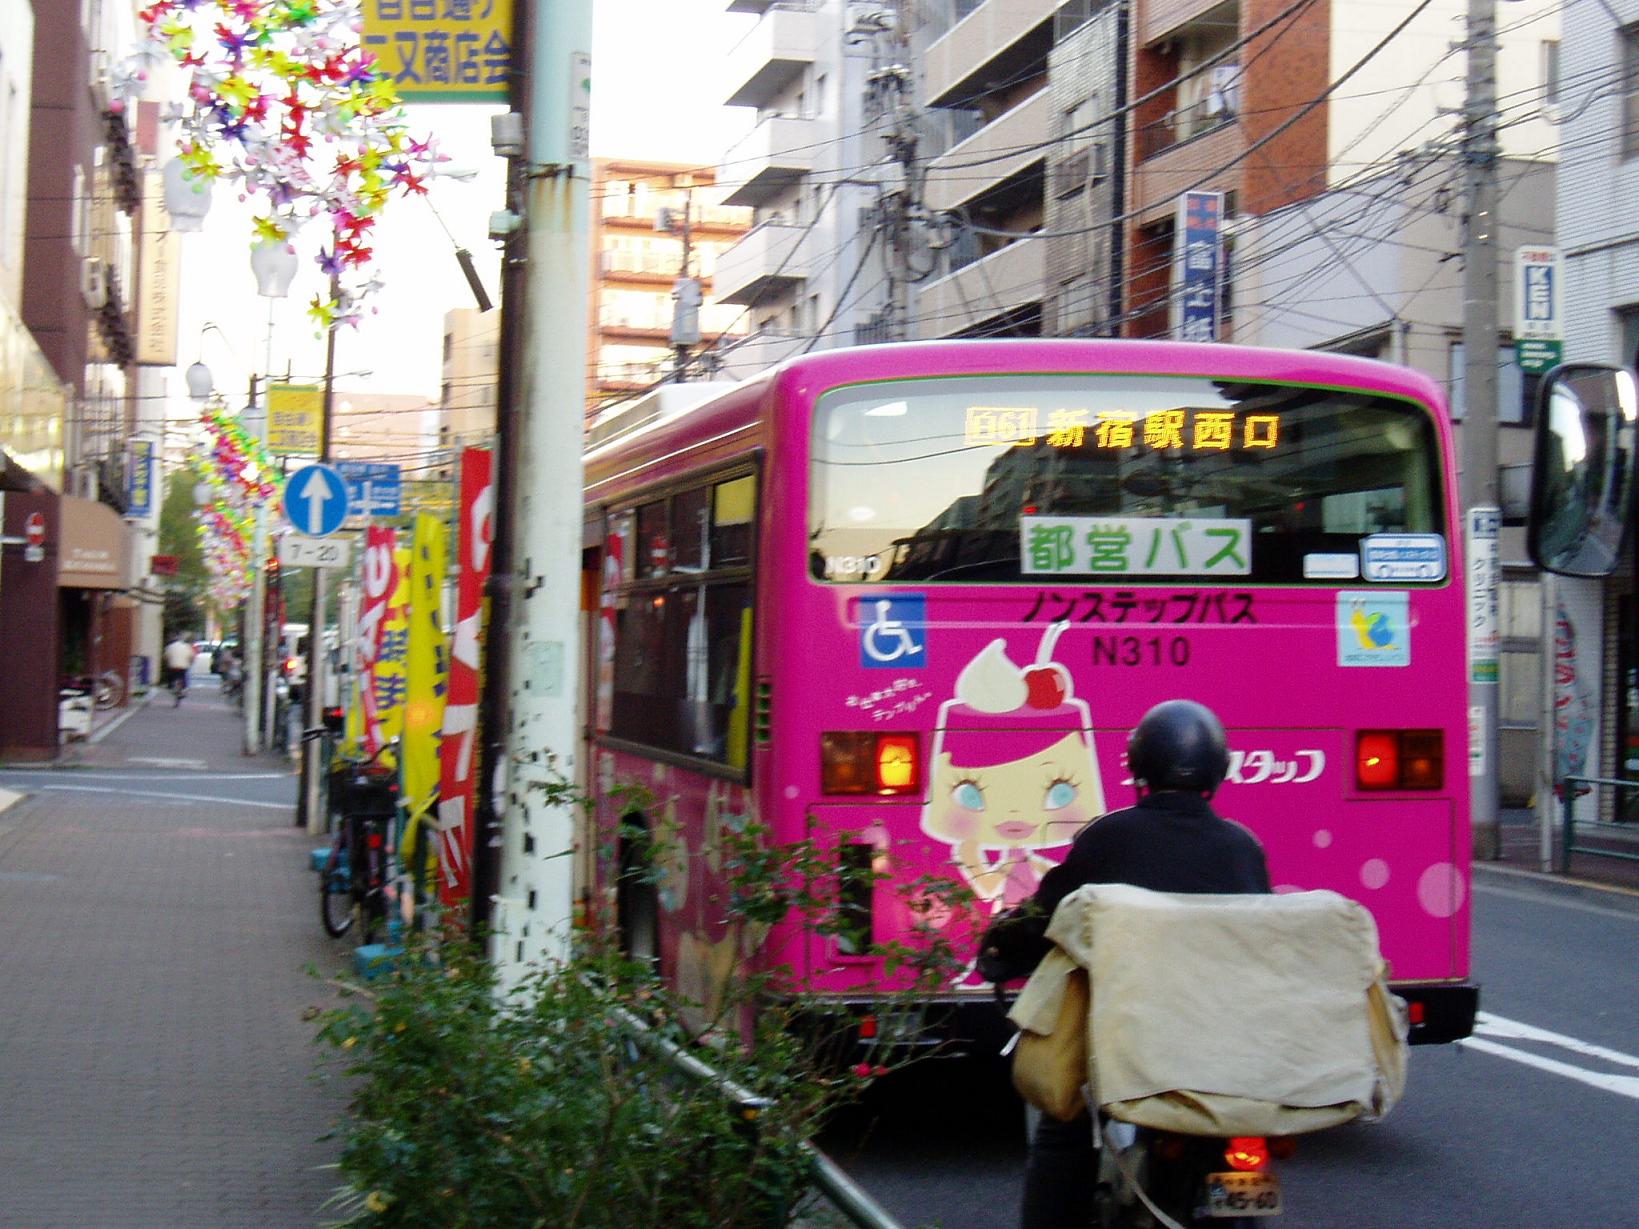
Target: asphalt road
(1530, 1124)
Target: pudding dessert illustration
(1013, 772)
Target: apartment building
(467, 395)
(654, 226)
(828, 81)
(1596, 100)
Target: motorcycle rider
(1171, 840)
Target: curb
(1561, 885)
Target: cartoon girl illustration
(1014, 771)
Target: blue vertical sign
(139, 490)
(1200, 265)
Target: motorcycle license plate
(1243, 1194)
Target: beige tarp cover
(1227, 1014)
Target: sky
(655, 95)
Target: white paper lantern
(274, 264)
(187, 201)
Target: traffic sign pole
(310, 806)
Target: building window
(1627, 319)
(1516, 389)
(1630, 91)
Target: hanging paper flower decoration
(283, 102)
(239, 474)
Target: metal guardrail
(841, 1191)
(1568, 845)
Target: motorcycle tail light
(869, 762)
(1247, 1153)
(1399, 759)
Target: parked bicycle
(354, 881)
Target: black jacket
(1168, 842)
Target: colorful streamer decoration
(285, 103)
(239, 474)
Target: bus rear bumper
(1440, 1013)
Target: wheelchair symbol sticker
(893, 632)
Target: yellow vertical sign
(441, 50)
(294, 415)
(391, 678)
(425, 666)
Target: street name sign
(315, 500)
(297, 551)
(373, 487)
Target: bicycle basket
(367, 789)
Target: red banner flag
(380, 583)
(458, 758)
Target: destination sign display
(1181, 430)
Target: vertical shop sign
(457, 751)
(1200, 261)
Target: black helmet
(1179, 745)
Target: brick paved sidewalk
(155, 1068)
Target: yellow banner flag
(424, 707)
(391, 675)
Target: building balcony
(1023, 129)
(767, 260)
(1001, 40)
(1157, 181)
(769, 159)
(1160, 19)
(773, 54)
(996, 285)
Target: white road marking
(1543, 898)
(160, 761)
(23, 775)
(149, 793)
(1488, 1026)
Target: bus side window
(734, 506)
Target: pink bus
(908, 601)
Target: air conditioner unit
(94, 282)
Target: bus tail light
(870, 762)
(1399, 759)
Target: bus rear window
(1100, 478)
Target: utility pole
(1483, 516)
(311, 807)
(901, 202)
(250, 669)
(685, 292)
(534, 901)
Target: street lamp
(199, 381)
(274, 265)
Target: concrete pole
(1480, 422)
(312, 808)
(250, 668)
(534, 903)
(1547, 726)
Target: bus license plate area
(1243, 1194)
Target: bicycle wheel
(110, 690)
(370, 888)
(336, 892)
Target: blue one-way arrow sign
(315, 500)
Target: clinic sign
(1539, 308)
(441, 50)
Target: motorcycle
(1160, 1180)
